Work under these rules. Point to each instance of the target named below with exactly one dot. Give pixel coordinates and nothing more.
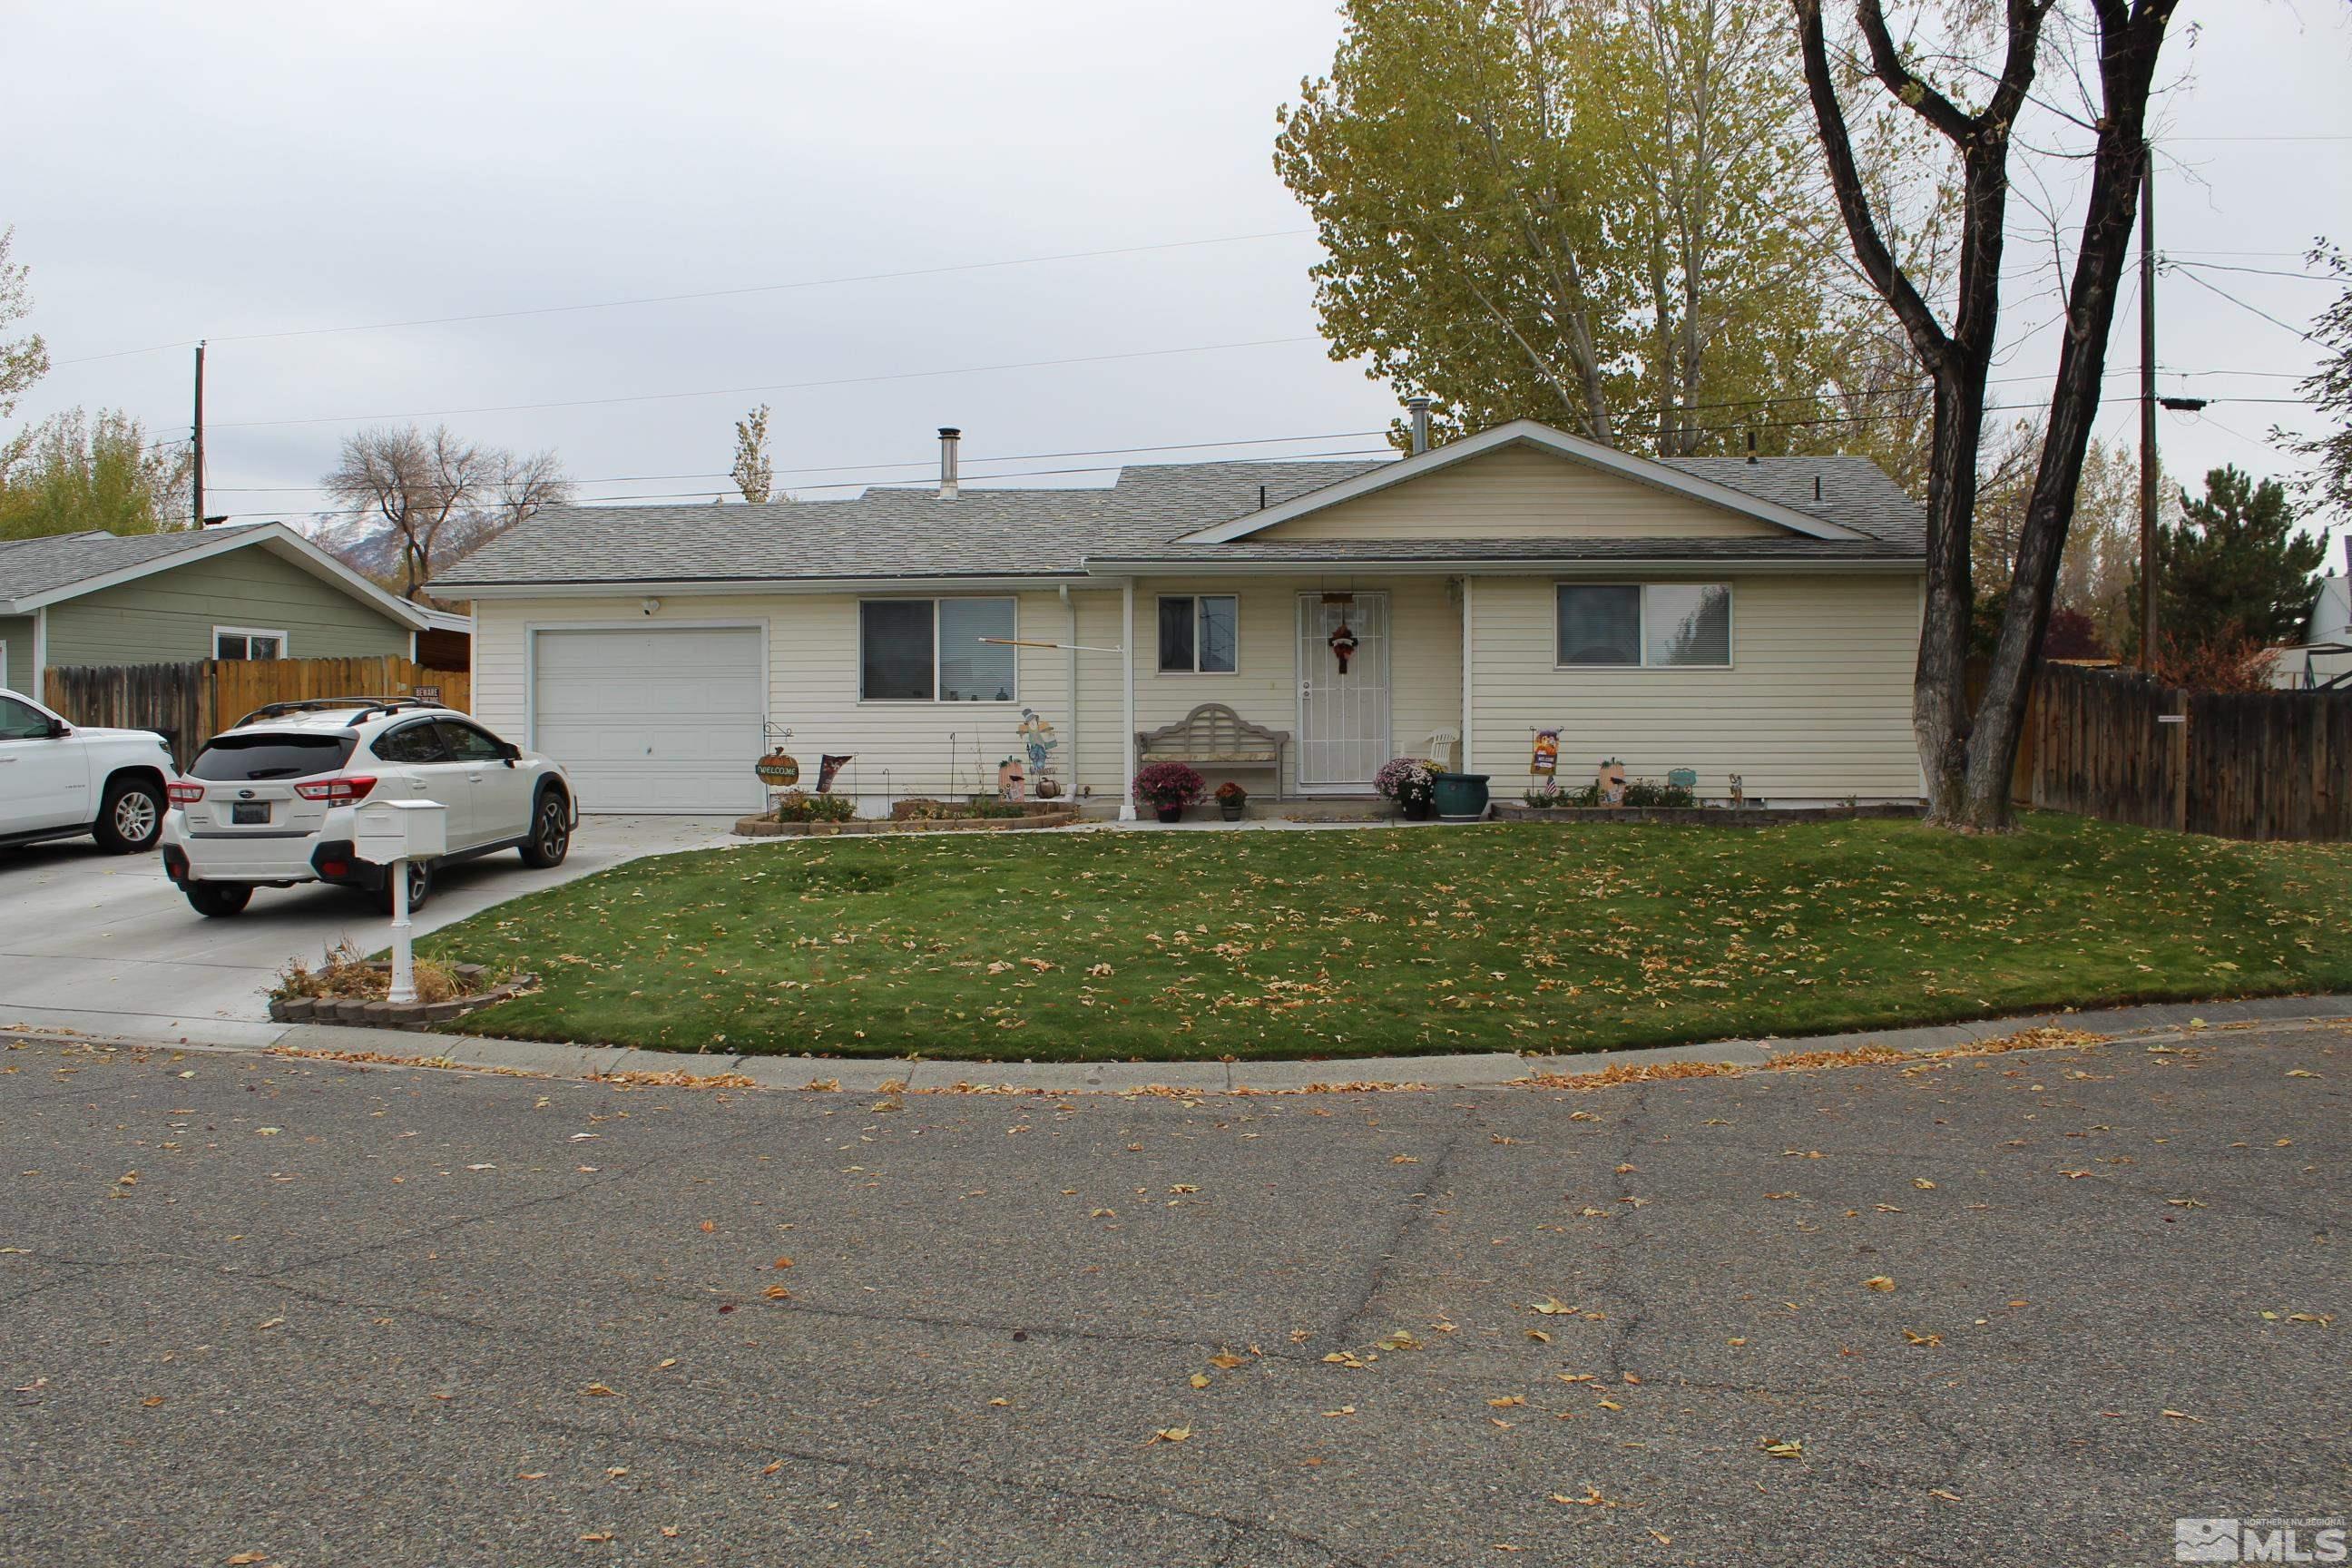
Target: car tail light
(337, 791)
(334, 868)
(182, 794)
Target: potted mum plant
(1411, 782)
(1231, 798)
(1167, 788)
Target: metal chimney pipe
(1420, 409)
(949, 436)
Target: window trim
(1158, 669)
(935, 699)
(285, 648)
(1641, 635)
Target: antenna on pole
(2147, 408)
(196, 447)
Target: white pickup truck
(59, 780)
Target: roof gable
(1525, 480)
(36, 573)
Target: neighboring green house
(266, 591)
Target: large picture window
(929, 650)
(1199, 634)
(1656, 625)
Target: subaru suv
(269, 803)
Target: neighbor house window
(1658, 626)
(929, 650)
(243, 642)
(1199, 634)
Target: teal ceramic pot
(1460, 797)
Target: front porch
(1347, 671)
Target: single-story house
(262, 592)
(2324, 658)
(1756, 618)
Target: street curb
(1497, 1070)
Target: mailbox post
(390, 834)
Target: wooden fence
(2111, 744)
(191, 702)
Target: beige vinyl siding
(17, 655)
(169, 616)
(1816, 705)
(1518, 492)
(1424, 661)
(898, 748)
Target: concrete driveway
(106, 944)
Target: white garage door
(653, 719)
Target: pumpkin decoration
(778, 769)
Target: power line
(2257, 309)
(771, 386)
(2169, 261)
(706, 294)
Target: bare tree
(1967, 756)
(754, 473)
(434, 497)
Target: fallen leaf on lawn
(1878, 1283)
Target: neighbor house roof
(36, 573)
(1154, 514)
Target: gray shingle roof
(30, 566)
(912, 534)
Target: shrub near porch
(1269, 945)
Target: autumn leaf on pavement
(1171, 1435)
(1878, 1283)
(1782, 1448)
(598, 1389)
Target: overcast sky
(252, 173)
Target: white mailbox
(389, 830)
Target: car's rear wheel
(420, 886)
(218, 900)
(130, 817)
(550, 831)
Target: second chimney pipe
(1420, 409)
(949, 436)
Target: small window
(1199, 634)
(411, 743)
(1656, 625)
(242, 642)
(467, 744)
(925, 650)
(22, 720)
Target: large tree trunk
(1939, 690)
(2128, 69)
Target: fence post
(2180, 772)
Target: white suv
(268, 804)
(59, 780)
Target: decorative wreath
(1343, 645)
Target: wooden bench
(1213, 735)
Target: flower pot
(1460, 797)
(1415, 809)
(1231, 810)
(1170, 813)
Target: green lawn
(1057, 946)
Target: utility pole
(2147, 477)
(197, 445)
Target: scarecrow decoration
(828, 767)
(1546, 761)
(1037, 739)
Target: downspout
(1127, 706)
(1071, 675)
(1469, 688)
(38, 689)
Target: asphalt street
(2026, 1308)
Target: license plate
(244, 812)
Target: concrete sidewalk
(1490, 1069)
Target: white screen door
(1343, 719)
